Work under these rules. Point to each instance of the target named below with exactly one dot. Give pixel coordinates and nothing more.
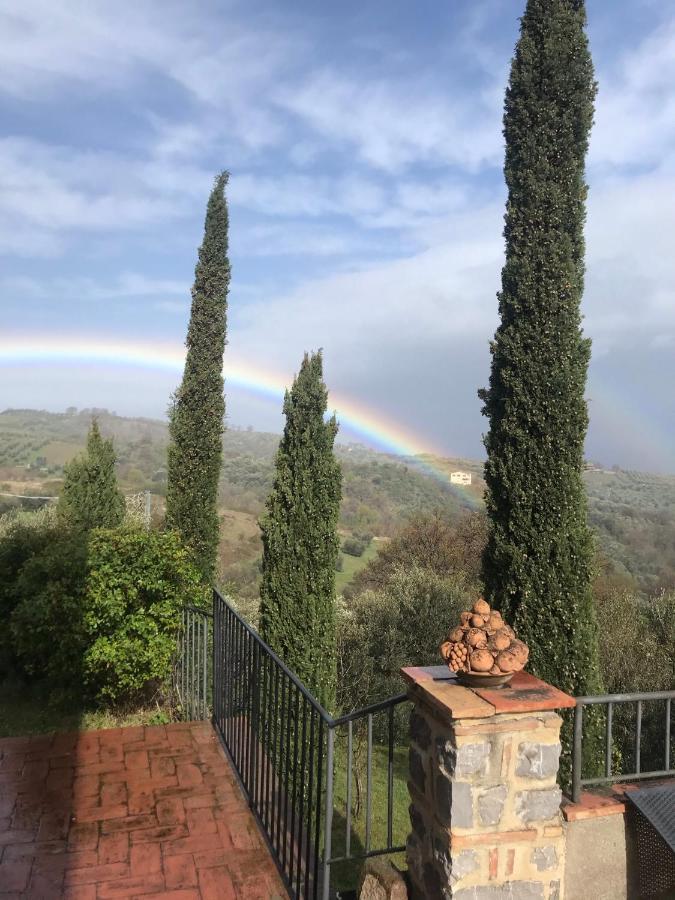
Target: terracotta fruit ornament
(483, 644)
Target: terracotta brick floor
(128, 812)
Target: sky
(366, 203)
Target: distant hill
(632, 513)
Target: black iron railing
(653, 761)
(193, 683)
(297, 764)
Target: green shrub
(354, 547)
(138, 581)
(19, 541)
(382, 630)
(46, 624)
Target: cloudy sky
(366, 198)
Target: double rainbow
(376, 429)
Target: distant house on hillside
(460, 478)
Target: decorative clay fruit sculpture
(483, 646)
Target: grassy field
(345, 875)
(351, 565)
(29, 709)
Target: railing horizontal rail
(368, 710)
(632, 745)
(625, 698)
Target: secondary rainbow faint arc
(356, 417)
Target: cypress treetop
(90, 497)
(198, 411)
(299, 534)
(538, 563)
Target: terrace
(263, 794)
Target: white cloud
(393, 123)
(635, 109)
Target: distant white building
(460, 478)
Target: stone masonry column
(485, 803)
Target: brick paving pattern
(128, 812)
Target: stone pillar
(485, 803)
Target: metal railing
(609, 764)
(193, 670)
(287, 752)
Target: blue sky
(366, 196)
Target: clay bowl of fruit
(483, 650)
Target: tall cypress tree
(538, 561)
(299, 534)
(90, 497)
(196, 419)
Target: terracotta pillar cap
(523, 694)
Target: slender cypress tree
(299, 534)
(198, 412)
(538, 561)
(90, 497)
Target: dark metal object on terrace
(610, 701)
(652, 816)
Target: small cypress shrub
(90, 497)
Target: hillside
(632, 513)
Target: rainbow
(376, 429)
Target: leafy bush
(354, 547)
(382, 630)
(431, 542)
(20, 540)
(138, 581)
(46, 624)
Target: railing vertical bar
(191, 673)
(608, 739)
(667, 762)
(282, 758)
(303, 763)
(232, 691)
(205, 667)
(287, 780)
(195, 664)
(638, 737)
(348, 809)
(319, 794)
(253, 720)
(276, 789)
(271, 787)
(234, 685)
(310, 796)
(218, 683)
(369, 781)
(228, 686)
(262, 736)
(390, 781)
(198, 670)
(248, 733)
(237, 672)
(576, 751)
(243, 711)
(296, 735)
(183, 651)
(328, 825)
